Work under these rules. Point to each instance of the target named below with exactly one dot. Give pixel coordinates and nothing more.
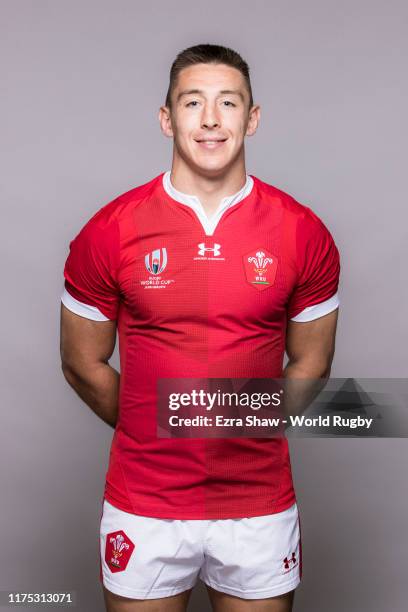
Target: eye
(192, 102)
(229, 102)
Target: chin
(212, 170)
(213, 166)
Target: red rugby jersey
(197, 298)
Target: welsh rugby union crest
(260, 268)
(118, 550)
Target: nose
(209, 118)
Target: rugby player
(204, 271)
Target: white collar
(209, 223)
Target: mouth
(211, 144)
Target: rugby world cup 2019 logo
(118, 551)
(260, 268)
(156, 262)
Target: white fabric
(91, 312)
(251, 558)
(319, 310)
(81, 309)
(209, 223)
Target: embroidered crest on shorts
(118, 550)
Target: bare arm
(86, 346)
(310, 348)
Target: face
(210, 117)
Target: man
(206, 272)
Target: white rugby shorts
(148, 558)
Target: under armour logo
(215, 249)
(287, 561)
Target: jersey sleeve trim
(81, 309)
(318, 310)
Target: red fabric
(318, 263)
(118, 550)
(91, 268)
(207, 319)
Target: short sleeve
(91, 289)
(318, 264)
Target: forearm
(98, 387)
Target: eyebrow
(235, 92)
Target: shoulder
(292, 211)
(118, 209)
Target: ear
(253, 121)
(165, 121)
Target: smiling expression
(210, 116)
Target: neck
(209, 189)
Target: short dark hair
(208, 54)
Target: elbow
(323, 367)
(68, 372)
(67, 362)
(311, 367)
(326, 373)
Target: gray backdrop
(83, 82)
